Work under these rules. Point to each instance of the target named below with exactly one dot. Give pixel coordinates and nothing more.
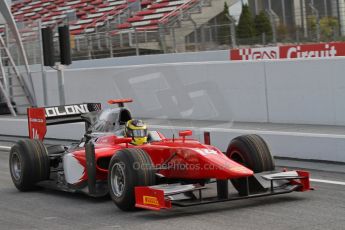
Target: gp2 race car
(154, 175)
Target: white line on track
(258, 131)
(7, 148)
(328, 181)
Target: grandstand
(112, 28)
(89, 14)
(148, 22)
(92, 14)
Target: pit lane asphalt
(323, 208)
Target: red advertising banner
(319, 50)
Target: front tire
(252, 152)
(129, 168)
(29, 164)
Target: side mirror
(121, 140)
(185, 133)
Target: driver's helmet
(137, 130)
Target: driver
(137, 130)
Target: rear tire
(129, 168)
(29, 164)
(252, 152)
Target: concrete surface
(44, 209)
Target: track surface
(48, 209)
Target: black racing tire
(135, 168)
(29, 164)
(253, 152)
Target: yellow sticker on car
(150, 200)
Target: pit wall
(290, 91)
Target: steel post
(137, 52)
(162, 38)
(44, 74)
(61, 84)
(174, 39)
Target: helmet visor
(139, 133)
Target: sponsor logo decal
(150, 200)
(319, 50)
(258, 53)
(298, 52)
(37, 120)
(35, 134)
(66, 110)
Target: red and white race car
(154, 175)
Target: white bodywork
(74, 171)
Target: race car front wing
(164, 196)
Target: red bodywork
(192, 159)
(37, 123)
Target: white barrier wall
(306, 91)
(294, 91)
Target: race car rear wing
(40, 118)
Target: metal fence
(188, 38)
(185, 37)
